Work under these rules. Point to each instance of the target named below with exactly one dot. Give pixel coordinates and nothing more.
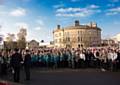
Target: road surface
(70, 77)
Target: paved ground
(71, 77)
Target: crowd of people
(103, 58)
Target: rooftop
(77, 25)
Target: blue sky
(40, 17)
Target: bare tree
(21, 42)
(10, 37)
(10, 44)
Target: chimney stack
(58, 26)
(94, 24)
(77, 23)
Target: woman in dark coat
(27, 64)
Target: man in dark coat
(27, 64)
(15, 62)
(0, 62)
(89, 56)
(118, 59)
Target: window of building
(81, 39)
(78, 32)
(68, 39)
(65, 34)
(60, 40)
(81, 33)
(78, 39)
(59, 34)
(68, 34)
(55, 35)
(55, 40)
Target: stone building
(77, 35)
(33, 44)
(108, 42)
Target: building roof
(57, 30)
(76, 27)
(33, 41)
(81, 27)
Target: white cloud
(18, 12)
(113, 11)
(62, 10)
(78, 12)
(93, 6)
(72, 15)
(38, 28)
(59, 5)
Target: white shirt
(112, 56)
(82, 56)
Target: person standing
(112, 56)
(15, 62)
(87, 58)
(27, 64)
(4, 63)
(82, 59)
(118, 59)
(103, 59)
(0, 62)
(97, 54)
(73, 57)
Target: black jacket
(16, 60)
(118, 56)
(89, 56)
(27, 60)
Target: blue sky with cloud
(40, 17)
